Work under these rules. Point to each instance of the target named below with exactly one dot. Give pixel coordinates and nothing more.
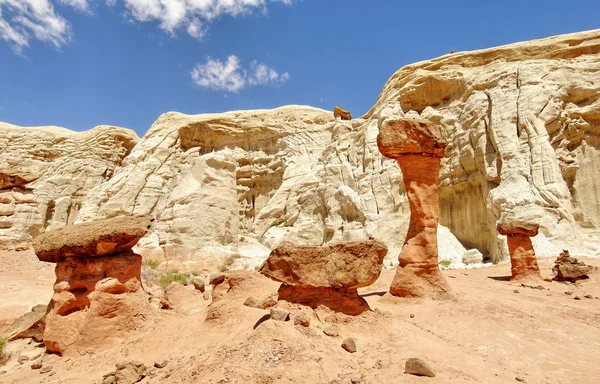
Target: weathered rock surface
(522, 128)
(417, 146)
(96, 302)
(97, 238)
(341, 300)
(340, 265)
(568, 268)
(46, 173)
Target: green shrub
(152, 263)
(3, 343)
(445, 263)
(228, 262)
(171, 277)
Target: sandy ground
(494, 332)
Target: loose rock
(280, 314)
(302, 319)
(36, 365)
(46, 369)
(332, 331)
(568, 268)
(161, 363)
(415, 366)
(349, 345)
(262, 303)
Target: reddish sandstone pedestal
(328, 275)
(98, 295)
(417, 146)
(523, 262)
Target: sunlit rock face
(522, 126)
(46, 173)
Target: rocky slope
(523, 127)
(46, 172)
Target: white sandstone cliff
(523, 123)
(46, 172)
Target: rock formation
(46, 173)
(98, 293)
(341, 113)
(522, 129)
(568, 268)
(523, 263)
(417, 146)
(327, 275)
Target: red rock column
(523, 262)
(418, 274)
(417, 146)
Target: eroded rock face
(96, 302)
(523, 262)
(417, 146)
(46, 172)
(341, 265)
(327, 275)
(97, 238)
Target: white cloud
(24, 20)
(231, 76)
(80, 5)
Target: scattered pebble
(418, 367)
(22, 359)
(588, 296)
(349, 345)
(568, 293)
(412, 315)
(577, 298)
(522, 380)
(516, 291)
(357, 378)
(332, 331)
(46, 369)
(36, 365)
(161, 363)
(302, 319)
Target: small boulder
(30, 325)
(418, 367)
(568, 268)
(472, 256)
(332, 331)
(341, 113)
(130, 372)
(36, 365)
(46, 369)
(262, 303)
(349, 345)
(280, 314)
(161, 363)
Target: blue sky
(81, 63)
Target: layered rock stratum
(523, 129)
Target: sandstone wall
(46, 172)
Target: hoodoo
(417, 146)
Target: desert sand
(494, 331)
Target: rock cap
(95, 238)
(403, 136)
(346, 265)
